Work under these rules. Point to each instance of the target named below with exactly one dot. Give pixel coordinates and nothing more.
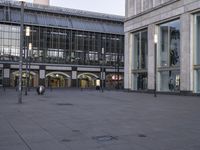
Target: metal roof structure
(43, 15)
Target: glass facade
(169, 56)
(140, 60)
(60, 46)
(9, 42)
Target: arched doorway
(87, 80)
(114, 81)
(33, 79)
(58, 80)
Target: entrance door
(56, 80)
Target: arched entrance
(87, 80)
(114, 81)
(58, 80)
(33, 79)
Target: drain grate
(105, 138)
(142, 135)
(64, 104)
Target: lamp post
(21, 52)
(27, 57)
(102, 68)
(118, 70)
(29, 63)
(155, 63)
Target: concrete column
(103, 74)
(185, 54)
(151, 56)
(42, 75)
(128, 80)
(6, 75)
(74, 77)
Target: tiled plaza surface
(72, 119)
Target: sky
(116, 7)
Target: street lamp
(21, 52)
(27, 51)
(29, 61)
(155, 63)
(102, 69)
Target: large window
(140, 53)
(53, 45)
(197, 54)
(169, 56)
(9, 42)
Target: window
(170, 81)
(9, 42)
(197, 54)
(140, 53)
(169, 56)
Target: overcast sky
(104, 6)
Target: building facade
(65, 48)
(42, 2)
(176, 23)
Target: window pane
(198, 81)
(170, 44)
(144, 50)
(140, 81)
(174, 43)
(170, 81)
(136, 50)
(198, 41)
(164, 45)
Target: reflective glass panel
(198, 41)
(140, 50)
(174, 29)
(170, 81)
(144, 50)
(198, 81)
(170, 44)
(136, 50)
(140, 81)
(164, 36)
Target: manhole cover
(104, 138)
(76, 131)
(64, 104)
(142, 135)
(66, 140)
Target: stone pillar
(151, 56)
(128, 80)
(185, 54)
(103, 74)
(42, 75)
(6, 75)
(74, 82)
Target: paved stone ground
(83, 120)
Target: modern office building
(176, 24)
(65, 47)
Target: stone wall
(135, 7)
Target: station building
(69, 48)
(177, 26)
